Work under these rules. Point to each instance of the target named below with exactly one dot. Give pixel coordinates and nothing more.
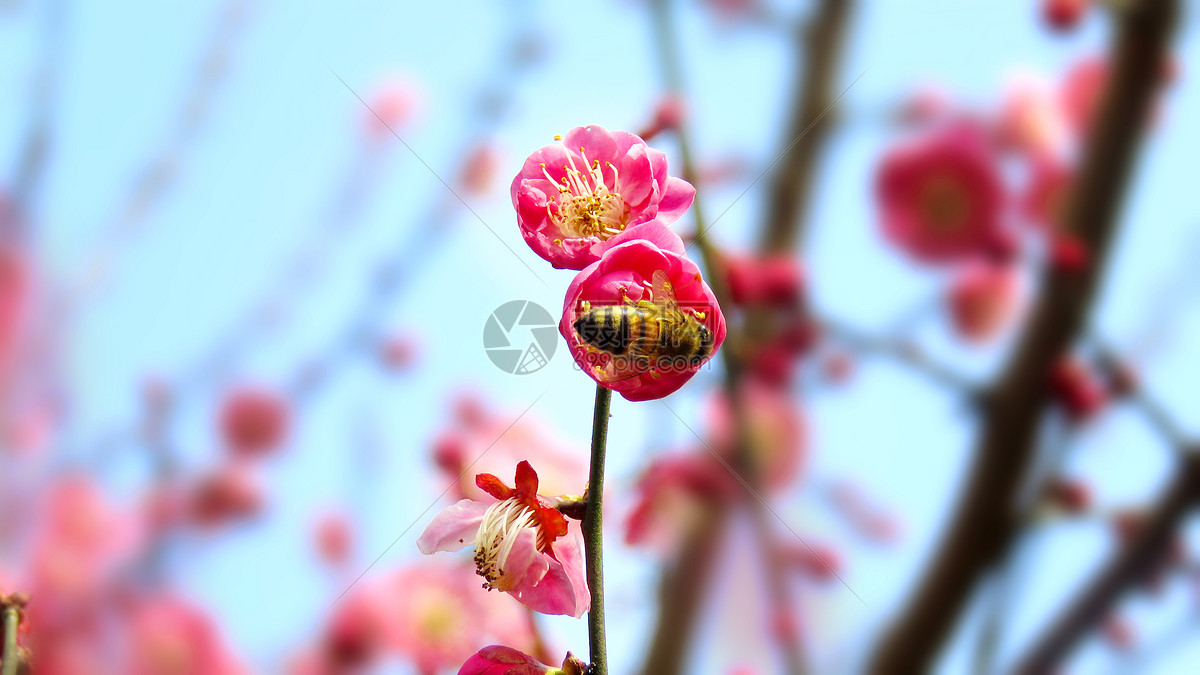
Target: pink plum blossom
(941, 196)
(523, 545)
(592, 191)
(625, 276)
(1080, 92)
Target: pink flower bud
(982, 300)
(254, 421)
(1063, 15)
(497, 660)
(1077, 389)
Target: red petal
(527, 483)
(493, 486)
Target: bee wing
(662, 291)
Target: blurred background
(250, 248)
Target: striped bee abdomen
(612, 328)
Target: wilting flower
(577, 198)
(982, 299)
(941, 197)
(498, 660)
(523, 545)
(254, 421)
(649, 286)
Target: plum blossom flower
(771, 280)
(523, 545)
(625, 276)
(498, 660)
(941, 196)
(670, 499)
(580, 197)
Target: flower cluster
(638, 318)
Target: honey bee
(646, 336)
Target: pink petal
(677, 198)
(453, 528)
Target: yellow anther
(557, 137)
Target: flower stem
(10, 657)
(593, 534)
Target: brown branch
(817, 64)
(1133, 564)
(986, 521)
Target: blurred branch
(906, 353)
(1130, 566)
(821, 41)
(985, 522)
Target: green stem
(10, 657)
(593, 528)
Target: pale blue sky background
(264, 170)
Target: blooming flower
(523, 546)
(941, 196)
(673, 298)
(982, 299)
(577, 198)
(498, 660)
(168, 635)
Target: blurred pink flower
(592, 191)
(229, 493)
(16, 289)
(772, 280)
(1064, 14)
(399, 352)
(474, 429)
(334, 538)
(1080, 91)
(778, 435)
(1030, 119)
(168, 636)
(816, 560)
(982, 299)
(669, 113)
(523, 545)
(253, 421)
(670, 498)
(625, 276)
(941, 197)
(926, 103)
(1078, 389)
(1046, 195)
(394, 104)
(480, 167)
